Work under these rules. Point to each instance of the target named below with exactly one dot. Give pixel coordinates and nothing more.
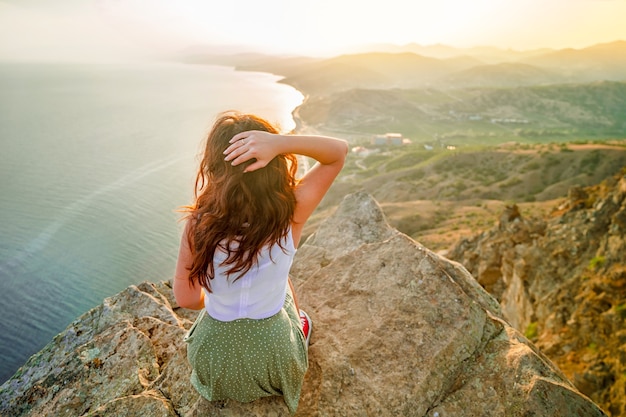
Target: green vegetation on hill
(477, 115)
(441, 195)
(510, 172)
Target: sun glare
(323, 27)
(297, 25)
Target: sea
(95, 162)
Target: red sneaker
(307, 326)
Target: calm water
(94, 161)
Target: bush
(596, 262)
(532, 331)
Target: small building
(362, 151)
(388, 139)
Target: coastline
(300, 126)
(120, 260)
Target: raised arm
(330, 154)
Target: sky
(119, 29)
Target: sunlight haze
(103, 29)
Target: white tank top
(260, 293)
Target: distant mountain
(374, 70)
(502, 75)
(486, 54)
(605, 61)
(378, 70)
(414, 68)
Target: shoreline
(52, 320)
(300, 126)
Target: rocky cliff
(398, 331)
(562, 281)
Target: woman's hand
(253, 144)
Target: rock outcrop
(562, 281)
(397, 331)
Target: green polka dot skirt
(247, 359)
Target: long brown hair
(252, 209)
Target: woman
(250, 339)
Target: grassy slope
(476, 115)
(437, 197)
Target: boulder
(397, 331)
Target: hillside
(372, 70)
(485, 54)
(561, 278)
(439, 196)
(605, 61)
(504, 74)
(476, 115)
